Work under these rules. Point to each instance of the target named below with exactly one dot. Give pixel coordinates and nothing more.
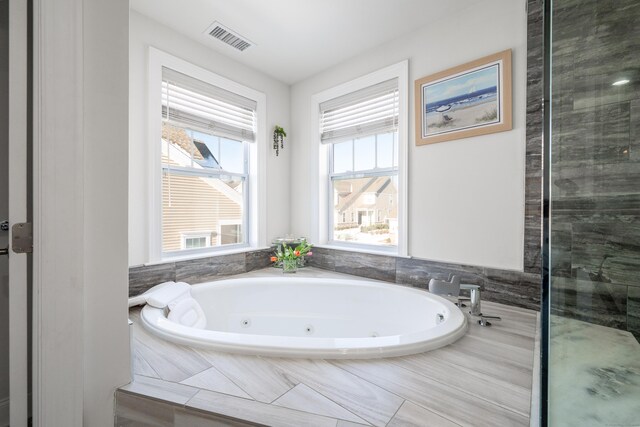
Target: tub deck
(485, 378)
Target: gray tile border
(143, 277)
(212, 268)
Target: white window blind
(191, 103)
(367, 111)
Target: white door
(18, 333)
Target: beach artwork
(468, 100)
(461, 102)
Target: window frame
(322, 158)
(254, 210)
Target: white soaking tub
(314, 318)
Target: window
(203, 135)
(360, 129)
(362, 140)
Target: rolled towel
(142, 298)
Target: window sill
(364, 250)
(210, 254)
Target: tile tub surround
(445, 387)
(588, 386)
(197, 270)
(508, 287)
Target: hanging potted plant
(278, 139)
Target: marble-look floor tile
(255, 376)
(160, 389)
(412, 415)
(370, 402)
(304, 398)
(594, 374)
(214, 380)
(257, 412)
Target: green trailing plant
(278, 139)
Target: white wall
(146, 32)
(106, 275)
(4, 212)
(466, 197)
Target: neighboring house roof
(180, 138)
(180, 156)
(350, 190)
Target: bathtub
(314, 318)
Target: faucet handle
(484, 322)
(4, 225)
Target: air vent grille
(229, 37)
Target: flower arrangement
(291, 257)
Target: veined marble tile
(633, 311)
(373, 403)
(256, 412)
(377, 267)
(304, 398)
(160, 389)
(256, 260)
(418, 272)
(214, 380)
(207, 269)
(412, 415)
(133, 410)
(594, 375)
(142, 278)
(600, 303)
(258, 378)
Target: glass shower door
(594, 214)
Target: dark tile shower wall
(509, 287)
(595, 167)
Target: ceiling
(295, 39)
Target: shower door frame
(546, 244)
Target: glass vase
(289, 265)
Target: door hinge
(22, 238)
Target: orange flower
(297, 253)
(274, 259)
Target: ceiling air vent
(224, 34)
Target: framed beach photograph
(468, 100)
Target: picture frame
(468, 100)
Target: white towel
(162, 297)
(186, 311)
(142, 298)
